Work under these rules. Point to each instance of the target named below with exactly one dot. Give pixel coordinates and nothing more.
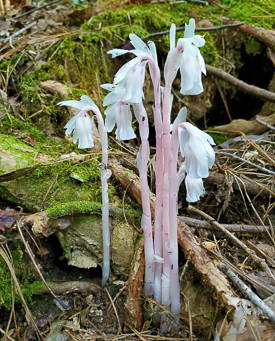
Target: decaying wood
(202, 224)
(249, 186)
(133, 307)
(249, 89)
(251, 127)
(265, 36)
(211, 275)
(70, 286)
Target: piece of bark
(134, 315)
(211, 275)
(202, 224)
(70, 286)
(251, 187)
(251, 127)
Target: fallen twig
(248, 292)
(202, 224)
(199, 29)
(19, 32)
(114, 307)
(246, 161)
(5, 335)
(36, 9)
(261, 262)
(247, 88)
(269, 126)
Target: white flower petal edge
(194, 188)
(84, 132)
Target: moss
(252, 46)
(220, 138)
(22, 272)
(209, 51)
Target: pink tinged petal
(153, 50)
(110, 119)
(181, 173)
(71, 124)
(84, 132)
(190, 29)
(124, 123)
(171, 65)
(122, 72)
(194, 188)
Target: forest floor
(58, 52)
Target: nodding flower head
(194, 187)
(81, 124)
(187, 57)
(118, 112)
(196, 149)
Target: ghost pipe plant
(82, 127)
(161, 252)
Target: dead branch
(251, 187)
(248, 292)
(36, 9)
(199, 29)
(202, 224)
(261, 262)
(211, 275)
(133, 307)
(263, 94)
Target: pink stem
(146, 211)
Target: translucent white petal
(124, 123)
(158, 259)
(83, 132)
(183, 138)
(172, 36)
(152, 48)
(71, 124)
(201, 63)
(199, 152)
(190, 29)
(171, 66)
(110, 120)
(109, 87)
(198, 40)
(75, 104)
(181, 173)
(181, 117)
(118, 52)
(111, 98)
(139, 44)
(191, 162)
(124, 69)
(194, 188)
(134, 84)
(87, 100)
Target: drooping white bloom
(143, 53)
(187, 57)
(194, 188)
(81, 124)
(195, 147)
(118, 112)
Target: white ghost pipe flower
(194, 187)
(195, 147)
(118, 113)
(188, 58)
(82, 126)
